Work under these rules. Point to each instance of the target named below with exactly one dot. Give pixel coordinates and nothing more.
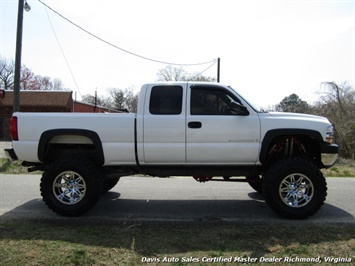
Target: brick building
(41, 101)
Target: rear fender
(70, 136)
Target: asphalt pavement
(176, 199)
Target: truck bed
(116, 132)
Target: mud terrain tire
(294, 188)
(71, 186)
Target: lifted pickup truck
(204, 130)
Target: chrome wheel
(69, 187)
(296, 190)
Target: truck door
(215, 133)
(164, 129)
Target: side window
(206, 101)
(166, 100)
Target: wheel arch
(65, 136)
(311, 137)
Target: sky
(268, 49)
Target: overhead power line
(65, 58)
(199, 74)
(119, 48)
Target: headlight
(329, 135)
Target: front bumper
(329, 148)
(10, 153)
(329, 154)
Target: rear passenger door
(164, 126)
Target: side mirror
(238, 109)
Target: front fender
(271, 135)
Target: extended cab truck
(185, 128)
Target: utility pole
(218, 68)
(95, 100)
(17, 77)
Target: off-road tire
(71, 186)
(294, 188)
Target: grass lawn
(46, 243)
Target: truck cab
(196, 124)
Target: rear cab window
(166, 100)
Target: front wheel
(71, 186)
(294, 188)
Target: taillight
(13, 128)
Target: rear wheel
(71, 186)
(294, 188)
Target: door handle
(194, 124)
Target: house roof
(39, 98)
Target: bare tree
(57, 84)
(98, 100)
(198, 77)
(6, 73)
(132, 103)
(28, 80)
(123, 99)
(337, 102)
(173, 73)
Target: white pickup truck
(204, 130)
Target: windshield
(256, 109)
